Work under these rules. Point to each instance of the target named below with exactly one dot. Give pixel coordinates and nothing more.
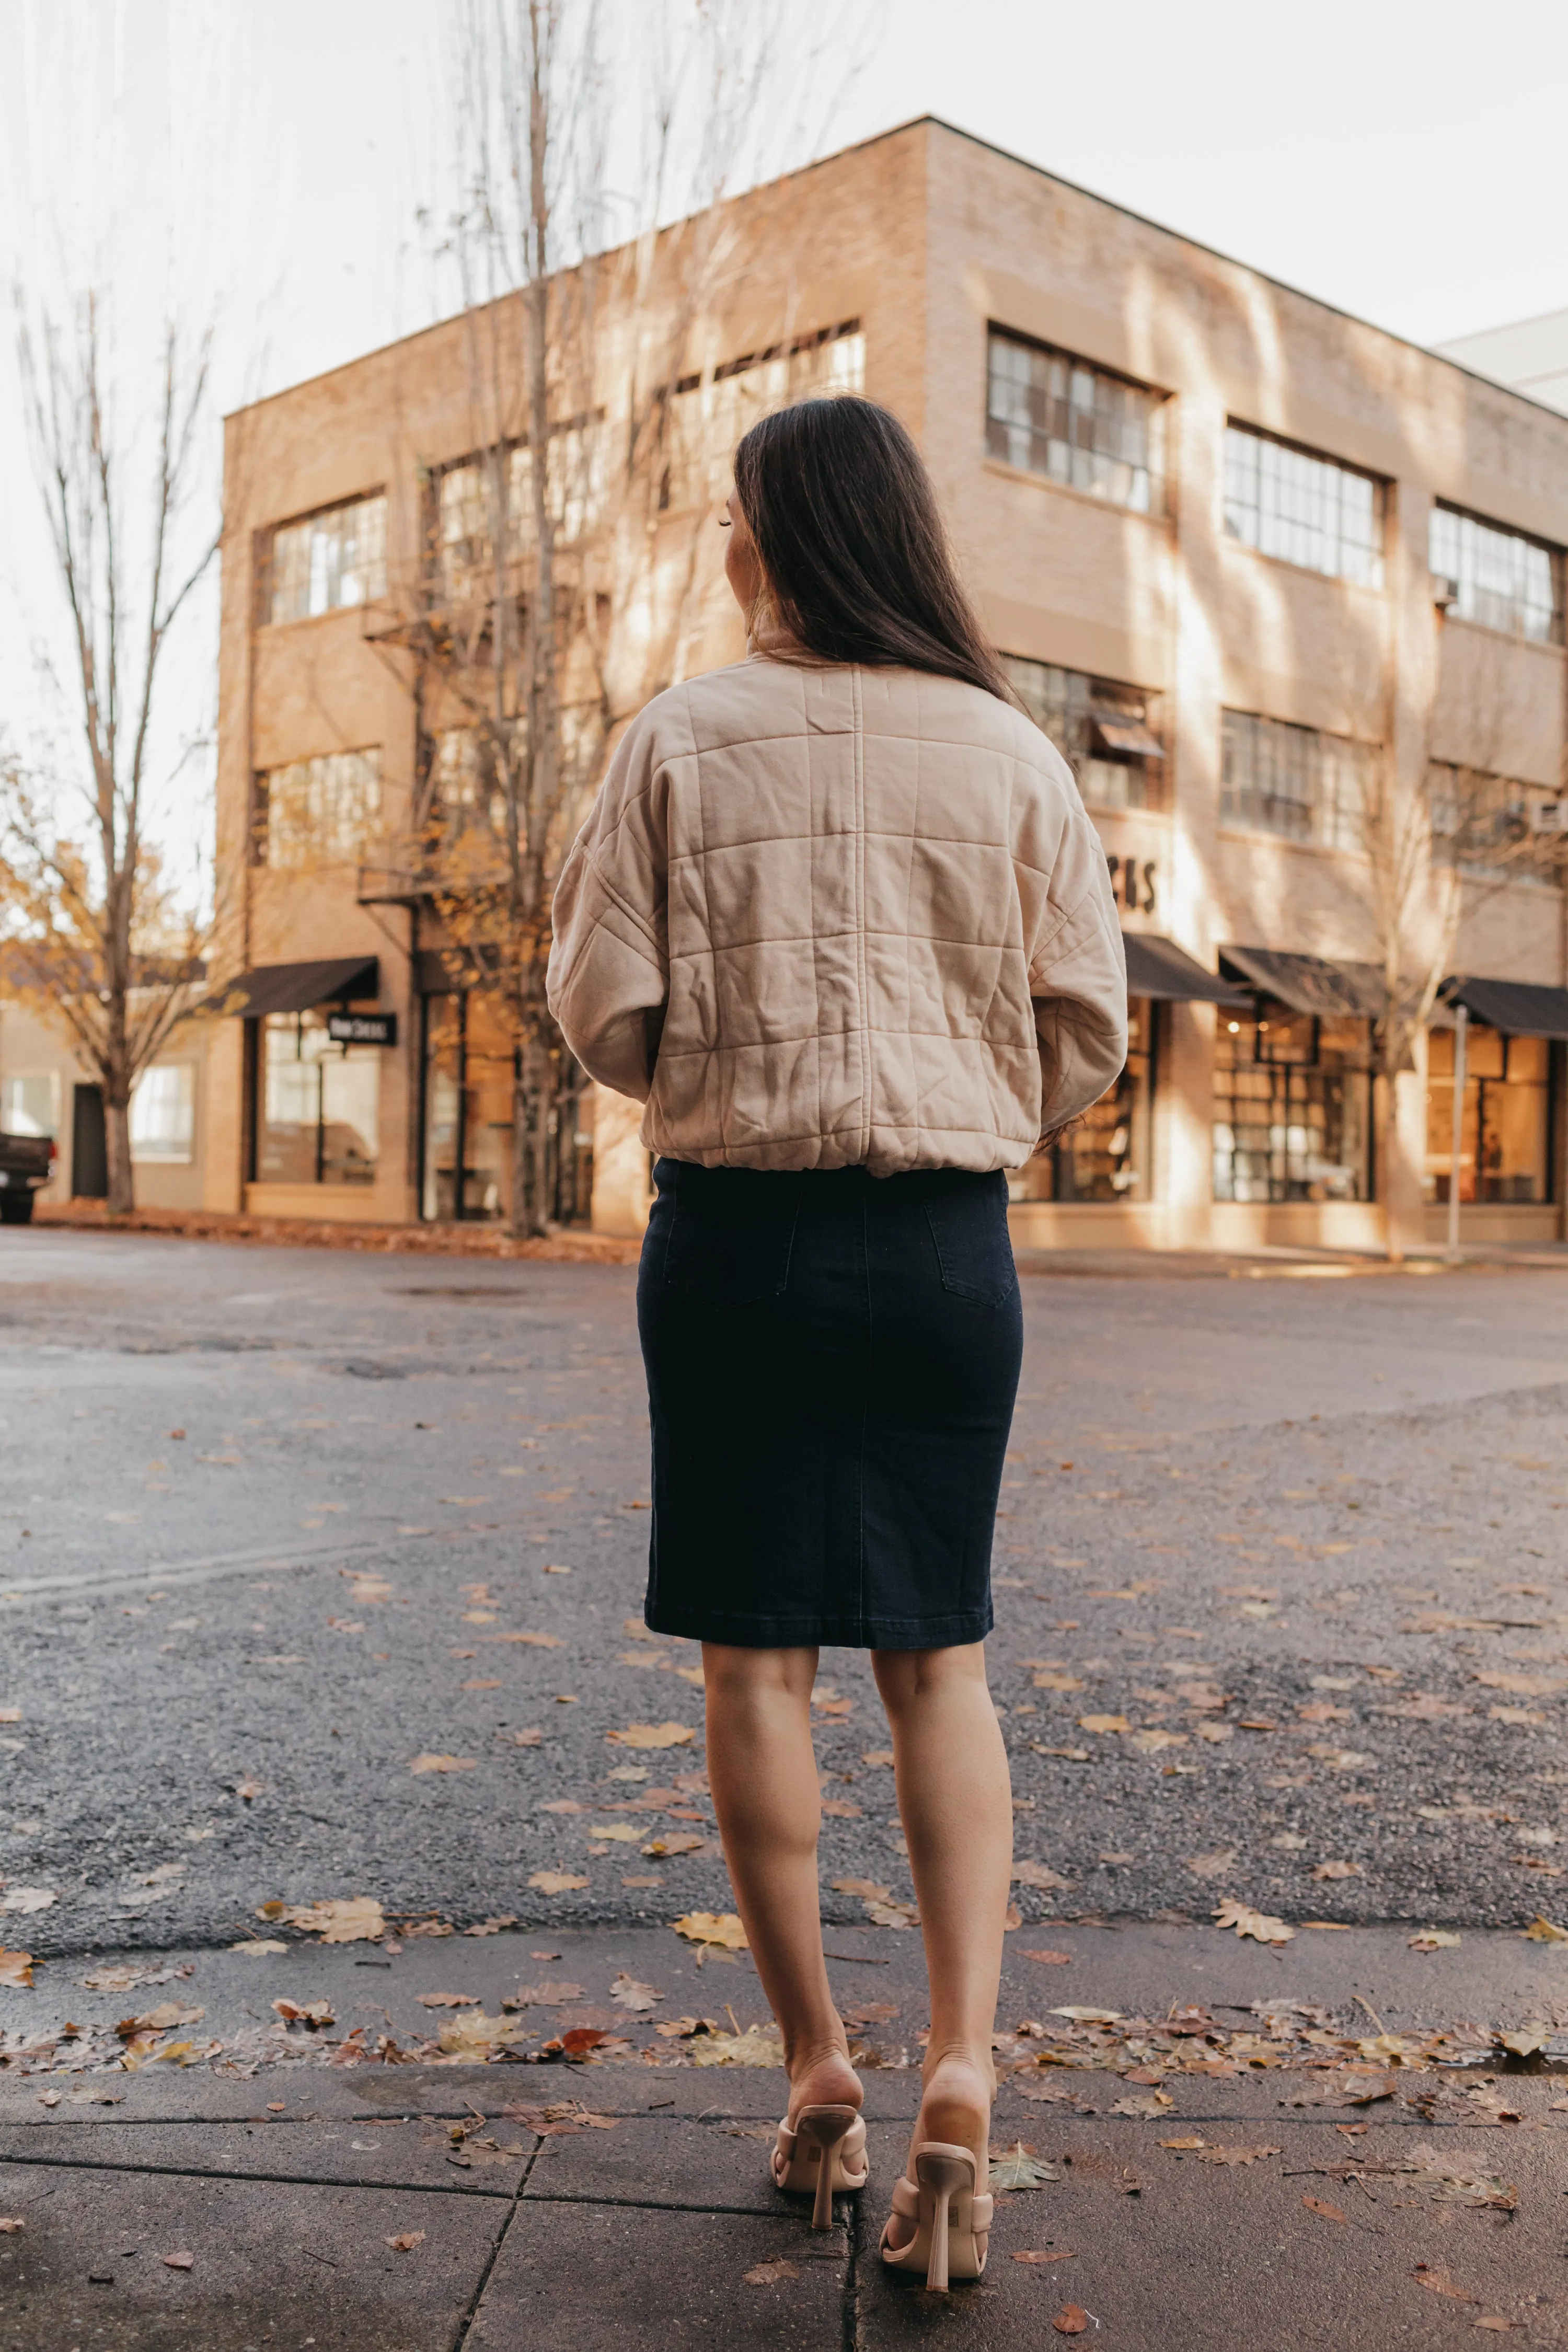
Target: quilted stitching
(871, 909)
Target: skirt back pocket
(728, 1232)
(968, 1219)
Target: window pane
(1503, 579)
(332, 559)
(1303, 509)
(1077, 711)
(164, 1112)
(322, 812)
(1291, 782)
(27, 1104)
(1049, 414)
(321, 1105)
(1105, 1157)
(1291, 1122)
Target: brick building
(1245, 555)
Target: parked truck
(26, 1163)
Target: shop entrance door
(90, 1145)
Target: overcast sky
(1404, 162)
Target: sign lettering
(363, 1028)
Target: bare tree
(561, 566)
(94, 931)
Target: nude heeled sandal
(825, 2151)
(952, 2217)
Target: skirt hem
(755, 1632)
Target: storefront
(468, 1080)
(1292, 1082)
(1510, 1151)
(321, 1091)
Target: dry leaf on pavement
(26, 1898)
(556, 1882)
(357, 1920)
(549, 1995)
(15, 1968)
(447, 2000)
(406, 2241)
(167, 2014)
(1143, 2103)
(1441, 2282)
(1046, 2255)
(1187, 2143)
(180, 2261)
(259, 1948)
(1320, 2206)
(769, 2273)
(1071, 2320)
(1337, 1870)
(1542, 1931)
(718, 1928)
(1256, 1924)
(1051, 1960)
(1211, 1865)
(429, 1763)
(492, 1927)
(1434, 1940)
(1019, 2167)
(312, 2013)
(1036, 1873)
(1103, 1724)
(627, 1993)
(653, 1735)
(1234, 2155)
(760, 2046)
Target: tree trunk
(533, 1103)
(121, 1198)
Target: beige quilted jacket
(822, 918)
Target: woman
(838, 919)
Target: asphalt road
(268, 1518)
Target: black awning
(1516, 1007)
(1159, 968)
(1309, 983)
(299, 987)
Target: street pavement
(321, 1579)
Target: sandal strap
(980, 2209)
(906, 2199)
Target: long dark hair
(838, 499)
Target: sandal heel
(942, 2175)
(823, 2128)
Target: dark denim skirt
(832, 1362)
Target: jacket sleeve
(1077, 967)
(608, 980)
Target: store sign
(363, 1028)
(1133, 883)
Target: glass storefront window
(1292, 1109)
(321, 1105)
(1105, 1155)
(1505, 1140)
(468, 1064)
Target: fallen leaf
(621, 1833)
(667, 1845)
(27, 1898)
(481, 1684)
(1441, 2282)
(1216, 1732)
(1497, 2326)
(1059, 1682)
(1143, 2103)
(492, 1927)
(840, 1809)
(1049, 1959)
(769, 2273)
(1320, 2206)
(10, 1715)
(760, 2046)
(249, 1789)
(880, 1759)
(1188, 2142)
(1434, 1940)
(627, 1993)
(1104, 1723)
(167, 2014)
(1063, 2254)
(1036, 1873)
(429, 1763)
(11, 2225)
(1019, 2167)
(722, 1928)
(1258, 1925)
(1211, 1865)
(1337, 1870)
(1234, 2155)
(534, 1641)
(180, 2261)
(1150, 1743)
(447, 2000)
(15, 1968)
(542, 1996)
(1071, 2320)
(313, 2014)
(531, 1738)
(1525, 2045)
(473, 2031)
(406, 2241)
(556, 1882)
(1542, 1931)
(1521, 1685)
(652, 1735)
(1081, 2016)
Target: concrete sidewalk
(1310, 2200)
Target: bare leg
(955, 1802)
(763, 1771)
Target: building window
(1499, 579)
(1303, 509)
(319, 811)
(1292, 1107)
(29, 1104)
(1292, 782)
(466, 1152)
(1505, 1140)
(1104, 1156)
(469, 496)
(707, 413)
(330, 560)
(1049, 414)
(163, 1113)
(321, 1105)
(1492, 828)
(1111, 736)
